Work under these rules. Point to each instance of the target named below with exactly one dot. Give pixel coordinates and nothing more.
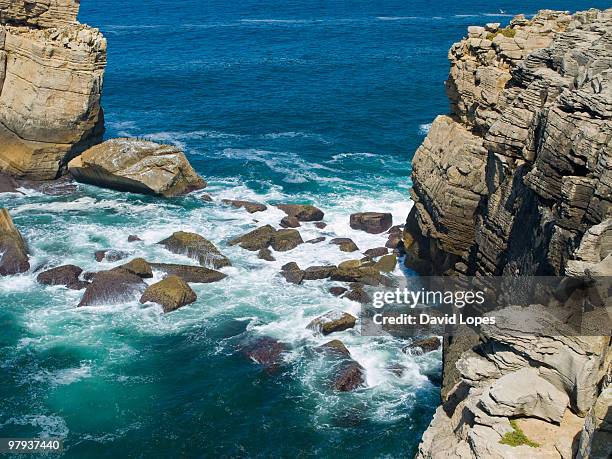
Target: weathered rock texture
(517, 180)
(51, 74)
(13, 248)
(137, 165)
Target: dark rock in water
(171, 293)
(350, 377)
(332, 322)
(113, 287)
(286, 239)
(424, 345)
(255, 240)
(14, 250)
(397, 229)
(321, 225)
(138, 266)
(206, 197)
(67, 275)
(133, 238)
(338, 291)
(336, 347)
(316, 240)
(290, 222)
(196, 247)
(376, 252)
(363, 275)
(266, 352)
(250, 207)
(110, 255)
(189, 273)
(294, 276)
(62, 186)
(265, 254)
(8, 184)
(303, 212)
(318, 272)
(345, 244)
(371, 222)
(359, 295)
(394, 240)
(89, 275)
(291, 266)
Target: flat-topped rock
(189, 273)
(66, 275)
(39, 13)
(137, 166)
(140, 267)
(14, 250)
(197, 247)
(332, 322)
(255, 240)
(171, 293)
(286, 239)
(303, 212)
(345, 244)
(371, 222)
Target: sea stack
(51, 74)
(516, 180)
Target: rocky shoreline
(517, 181)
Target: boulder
(137, 166)
(303, 212)
(358, 294)
(267, 352)
(371, 222)
(292, 273)
(335, 347)
(138, 266)
(525, 393)
(424, 345)
(190, 274)
(255, 240)
(376, 252)
(338, 291)
(112, 287)
(320, 225)
(291, 266)
(110, 255)
(318, 272)
(250, 207)
(290, 222)
(345, 244)
(195, 246)
(133, 238)
(171, 293)
(67, 275)
(394, 240)
(286, 239)
(349, 377)
(386, 263)
(13, 248)
(363, 275)
(332, 322)
(265, 254)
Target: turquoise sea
(307, 101)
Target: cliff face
(51, 73)
(517, 180)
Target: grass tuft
(507, 32)
(517, 437)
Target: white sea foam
(49, 426)
(424, 128)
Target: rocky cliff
(51, 73)
(517, 180)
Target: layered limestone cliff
(51, 74)
(517, 181)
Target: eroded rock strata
(517, 180)
(51, 74)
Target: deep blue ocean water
(292, 101)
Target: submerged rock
(345, 244)
(67, 275)
(358, 294)
(286, 239)
(255, 240)
(190, 274)
(338, 291)
(303, 212)
(267, 352)
(424, 345)
(197, 247)
(206, 197)
(371, 222)
(316, 240)
(112, 287)
(13, 248)
(171, 293)
(110, 255)
(133, 238)
(332, 322)
(349, 377)
(250, 207)
(336, 347)
(137, 166)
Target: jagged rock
(596, 436)
(190, 274)
(171, 293)
(525, 393)
(138, 166)
(303, 212)
(50, 87)
(289, 222)
(255, 240)
(112, 287)
(376, 252)
(424, 345)
(335, 347)
(371, 222)
(318, 272)
(134, 238)
(350, 377)
(67, 275)
(265, 254)
(345, 244)
(196, 247)
(140, 267)
(206, 197)
(110, 255)
(267, 352)
(14, 250)
(332, 322)
(286, 239)
(250, 207)
(338, 291)
(358, 294)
